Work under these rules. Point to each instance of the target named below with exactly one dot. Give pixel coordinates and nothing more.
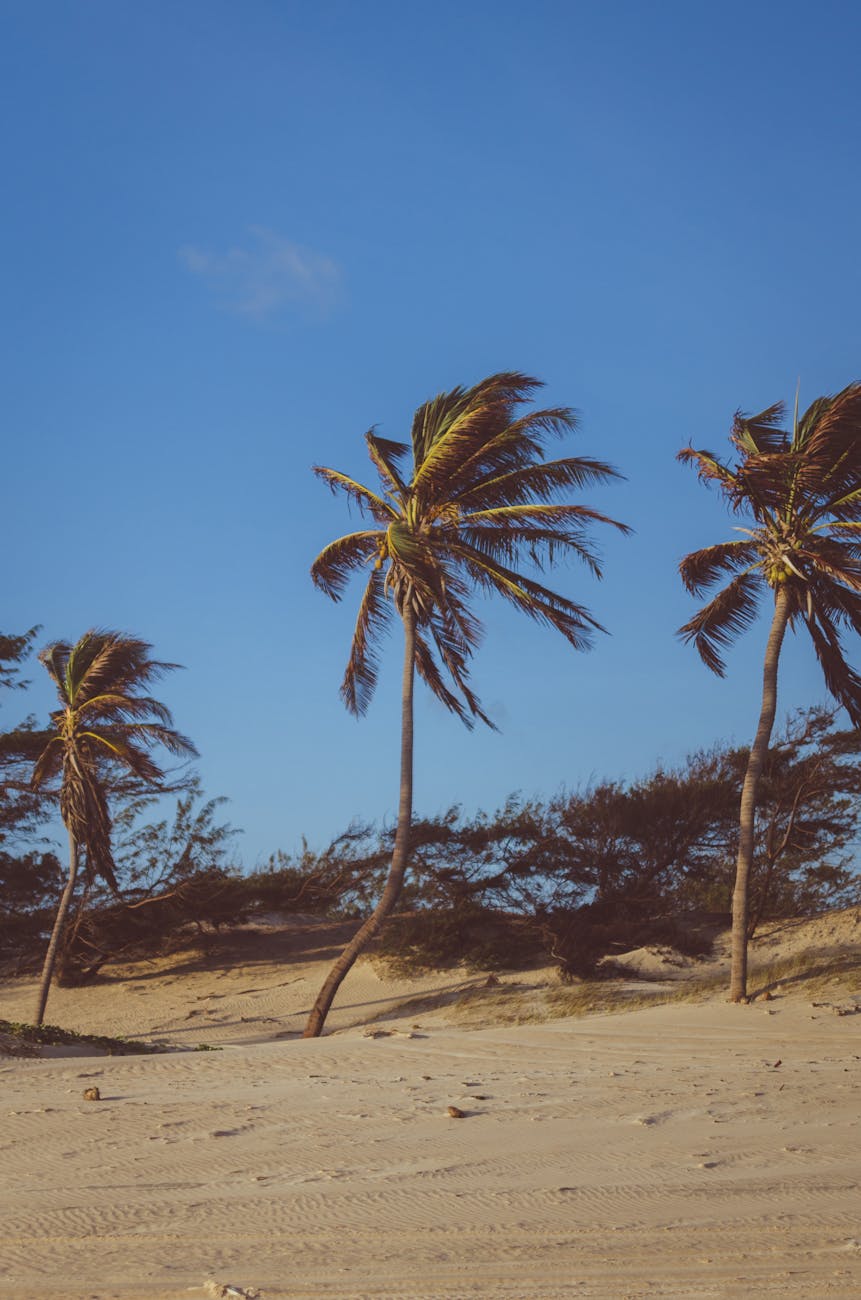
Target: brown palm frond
(54, 658)
(540, 482)
(112, 744)
(724, 618)
(753, 435)
(387, 457)
(49, 762)
(114, 705)
(538, 602)
(831, 424)
(103, 659)
(840, 603)
(701, 568)
(803, 492)
(842, 680)
(541, 546)
(367, 501)
(360, 677)
(711, 470)
(106, 725)
(337, 562)
(431, 675)
(511, 447)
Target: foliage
(174, 872)
(801, 492)
(53, 1036)
(105, 727)
(339, 881)
(480, 498)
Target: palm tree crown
(802, 492)
(478, 501)
(104, 723)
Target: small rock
(92, 1094)
(456, 1113)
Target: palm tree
(479, 499)
(801, 494)
(104, 725)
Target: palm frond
(360, 678)
(509, 445)
(429, 671)
(481, 500)
(112, 705)
(531, 598)
(536, 483)
(106, 724)
(702, 568)
(842, 680)
(462, 428)
(103, 660)
(367, 501)
(387, 457)
(724, 618)
(540, 546)
(754, 435)
(337, 562)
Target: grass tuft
(33, 1036)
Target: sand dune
(692, 1149)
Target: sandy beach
(689, 1149)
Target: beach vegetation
(478, 504)
(106, 725)
(798, 491)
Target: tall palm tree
(105, 725)
(479, 499)
(801, 493)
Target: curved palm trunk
(747, 811)
(400, 853)
(57, 932)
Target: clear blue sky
(235, 235)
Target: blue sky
(237, 235)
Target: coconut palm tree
(478, 499)
(105, 726)
(800, 492)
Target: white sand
(661, 1152)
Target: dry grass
(810, 974)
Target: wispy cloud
(268, 275)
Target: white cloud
(270, 274)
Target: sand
(693, 1149)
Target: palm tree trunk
(394, 883)
(747, 811)
(57, 932)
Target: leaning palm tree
(801, 493)
(478, 500)
(105, 725)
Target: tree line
(481, 507)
